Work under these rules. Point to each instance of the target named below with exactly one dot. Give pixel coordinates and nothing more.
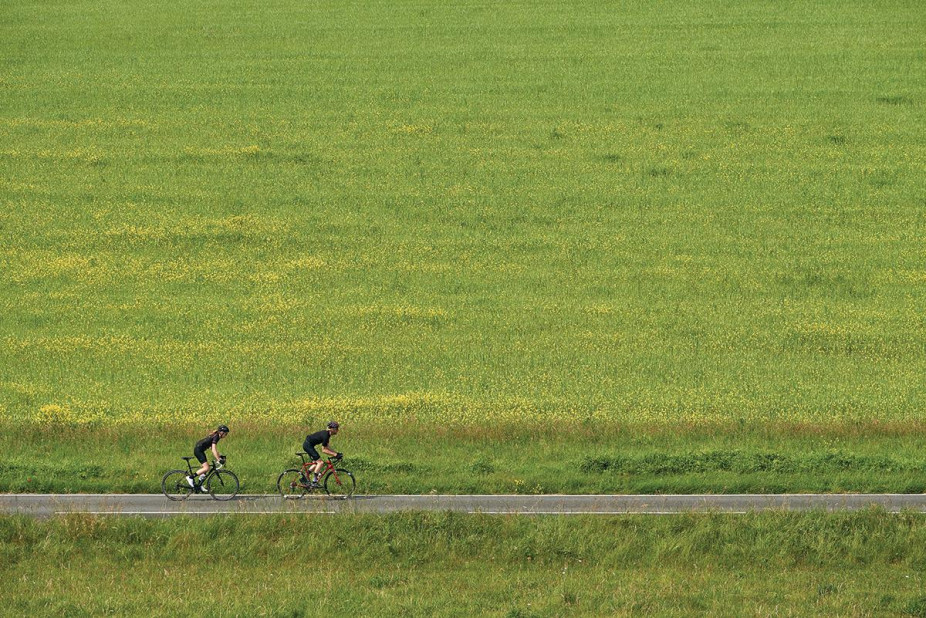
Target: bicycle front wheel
(174, 485)
(340, 483)
(223, 485)
(292, 484)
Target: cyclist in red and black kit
(199, 450)
(320, 438)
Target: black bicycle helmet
(333, 425)
(223, 428)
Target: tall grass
(461, 212)
(867, 563)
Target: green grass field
(811, 564)
(547, 211)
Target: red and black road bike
(295, 483)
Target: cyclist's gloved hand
(339, 456)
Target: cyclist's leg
(316, 464)
(201, 456)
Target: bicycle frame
(328, 467)
(212, 468)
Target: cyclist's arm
(329, 452)
(215, 451)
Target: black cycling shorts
(308, 448)
(200, 455)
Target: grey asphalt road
(156, 505)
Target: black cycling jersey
(207, 442)
(319, 437)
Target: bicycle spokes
(339, 482)
(223, 485)
(292, 483)
(175, 486)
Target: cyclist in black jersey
(320, 438)
(199, 450)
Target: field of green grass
(462, 213)
(810, 564)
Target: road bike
(295, 483)
(220, 483)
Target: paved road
(154, 505)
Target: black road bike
(220, 483)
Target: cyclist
(320, 438)
(199, 450)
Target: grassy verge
(513, 459)
(866, 563)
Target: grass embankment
(422, 459)
(867, 563)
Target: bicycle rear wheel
(223, 485)
(292, 485)
(174, 485)
(340, 483)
